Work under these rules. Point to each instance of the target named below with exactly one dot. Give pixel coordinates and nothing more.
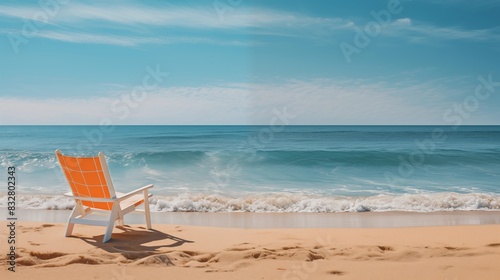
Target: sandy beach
(250, 140)
(195, 252)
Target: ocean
(268, 169)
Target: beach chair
(93, 191)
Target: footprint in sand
(336, 272)
(47, 255)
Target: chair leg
(146, 210)
(77, 210)
(70, 226)
(120, 221)
(111, 223)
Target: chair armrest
(134, 192)
(93, 199)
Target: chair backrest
(88, 177)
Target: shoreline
(286, 220)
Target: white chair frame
(122, 205)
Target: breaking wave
(290, 203)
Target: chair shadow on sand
(134, 240)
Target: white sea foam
(51, 202)
(284, 202)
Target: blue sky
(240, 61)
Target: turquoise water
(260, 168)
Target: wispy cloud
(319, 101)
(100, 23)
(128, 41)
(105, 24)
(97, 39)
(127, 24)
(176, 16)
(415, 31)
